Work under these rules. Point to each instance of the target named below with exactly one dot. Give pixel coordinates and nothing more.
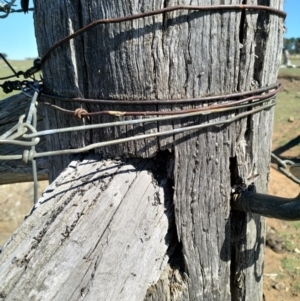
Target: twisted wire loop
(21, 129)
(17, 134)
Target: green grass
(291, 266)
(5, 71)
(295, 60)
(288, 243)
(296, 287)
(289, 72)
(296, 225)
(288, 106)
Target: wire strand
(138, 121)
(162, 101)
(81, 113)
(28, 156)
(146, 136)
(161, 11)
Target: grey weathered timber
(15, 171)
(171, 56)
(101, 231)
(260, 60)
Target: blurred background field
(287, 111)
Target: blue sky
(17, 37)
(292, 21)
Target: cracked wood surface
(15, 171)
(175, 55)
(99, 232)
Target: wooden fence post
(214, 253)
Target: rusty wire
(29, 155)
(80, 113)
(10, 136)
(35, 134)
(31, 71)
(161, 11)
(44, 96)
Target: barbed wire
(138, 121)
(6, 8)
(20, 130)
(46, 96)
(81, 113)
(9, 86)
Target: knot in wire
(80, 113)
(28, 155)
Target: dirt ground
(282, 253)
(15, 202)
(282, 257)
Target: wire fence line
(81, 113)
(18, 133)
(26, 134)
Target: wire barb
(25, 5)
(18, 133)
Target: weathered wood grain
(15, 171)
(261, 56)
(219, 254)
(101, 231)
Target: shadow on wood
(57, 254)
